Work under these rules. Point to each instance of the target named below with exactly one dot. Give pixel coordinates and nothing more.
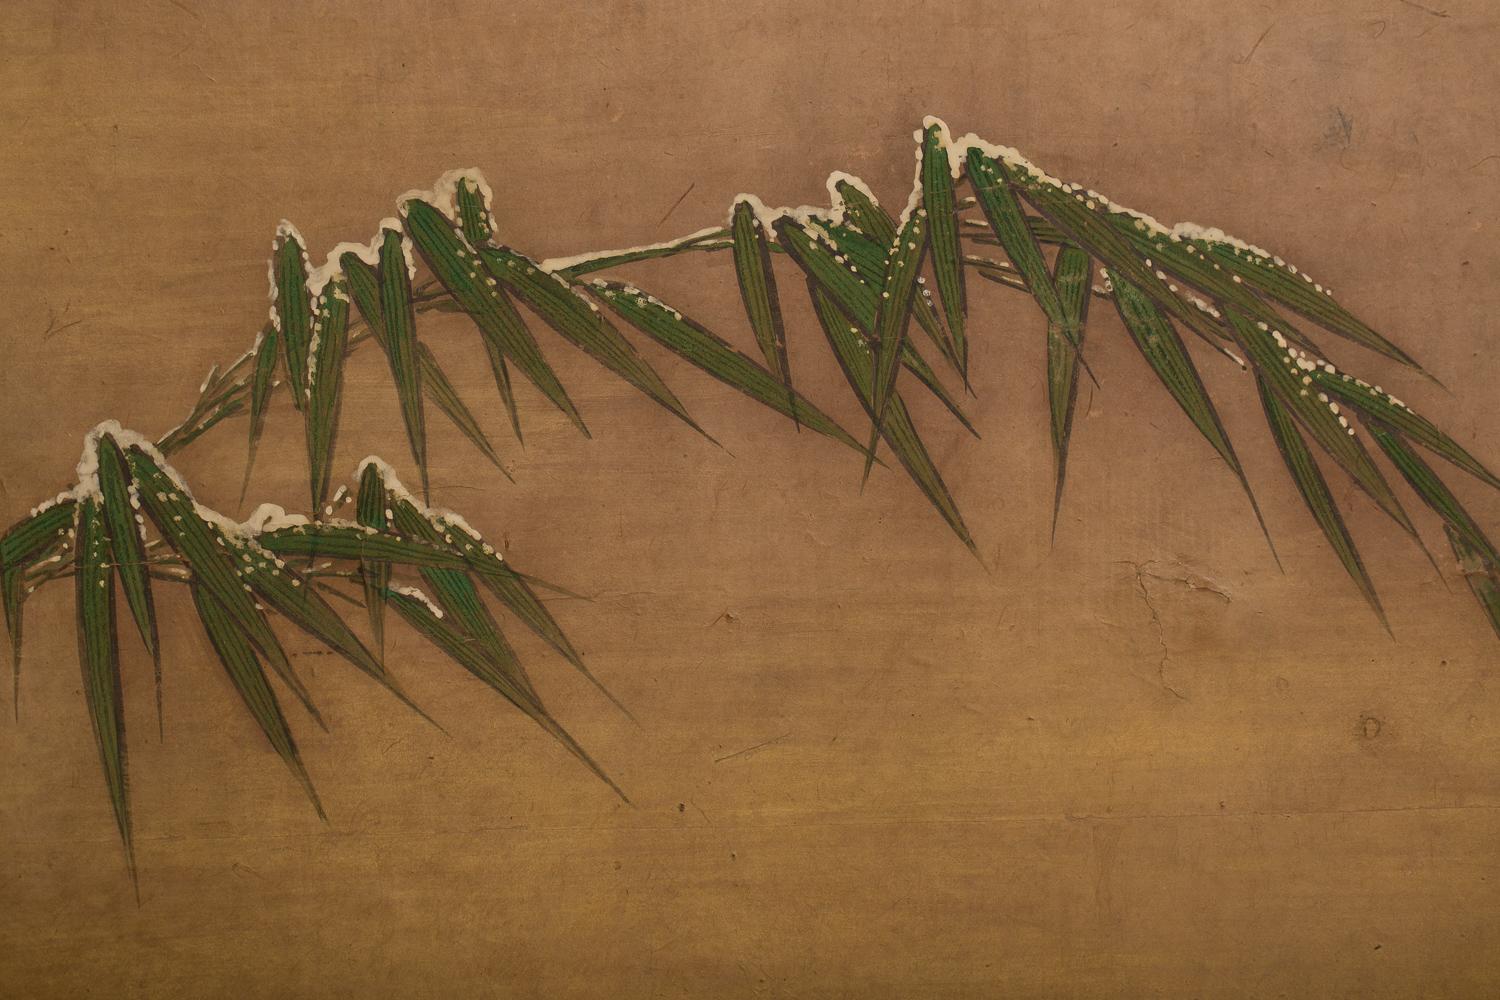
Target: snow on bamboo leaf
(291, 307)
(1286, 369)
(1386, 408)
(936, 178)
(1315, 493)
(707, 351)
(757, 280)
(903, 265)
(211, 548)
(237, 655)
(99, 657)
(126, 529)
(325, 382)
(826, 266)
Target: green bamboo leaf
(457, 266)
(237, 655)
(947, 252)
(1315, 493)
(126, 528)
(1170, 255)
(1075, 215)
(713, 355)
(325, 382)
(1164, 351)
(812, 251)
(1286, 369)
(1433, 491)
(865, 254)
(372, 511)
(1283, 283)
(431, 623)
(336, 540)
(99, 656)
(1012, 229)
(903, 266)
(397, 272)
(474, 214)
(1071, 280)
(1483, 577)
(1376, 402)
(291, 308)
(757, 281)
(266, 356)
(364, 288)
(214, 549)
(853, 353)
(579, 321)
(443, 528)
(46, 528)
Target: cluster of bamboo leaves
(135, 524)
(865, 272)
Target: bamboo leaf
(429, 622)
(439, 528)
(474, 214)
(364, 288)
(865, 254)
(1071, 280)
(1389, 410)
(1483, 577)
(457, 266)
(1314, 489)
(215, 553)
(334, 540)
(713, 355)
(126, 528)
(325, 382)
(1284, 284)
(99, 656)
(1286, 370)
(852, 295)
(291, 310)
(855, 358)
(1012, 229)
(396, 272)
(1433, 491)
(903, 265)
(947, 252)
(266, 355)
(1164, 351)
(237, 655)
(757, 281)
(371, 511)
(47, 527)
(1071, 212)
(579, 321)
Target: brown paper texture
(1138, 761)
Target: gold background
(1070, 774)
